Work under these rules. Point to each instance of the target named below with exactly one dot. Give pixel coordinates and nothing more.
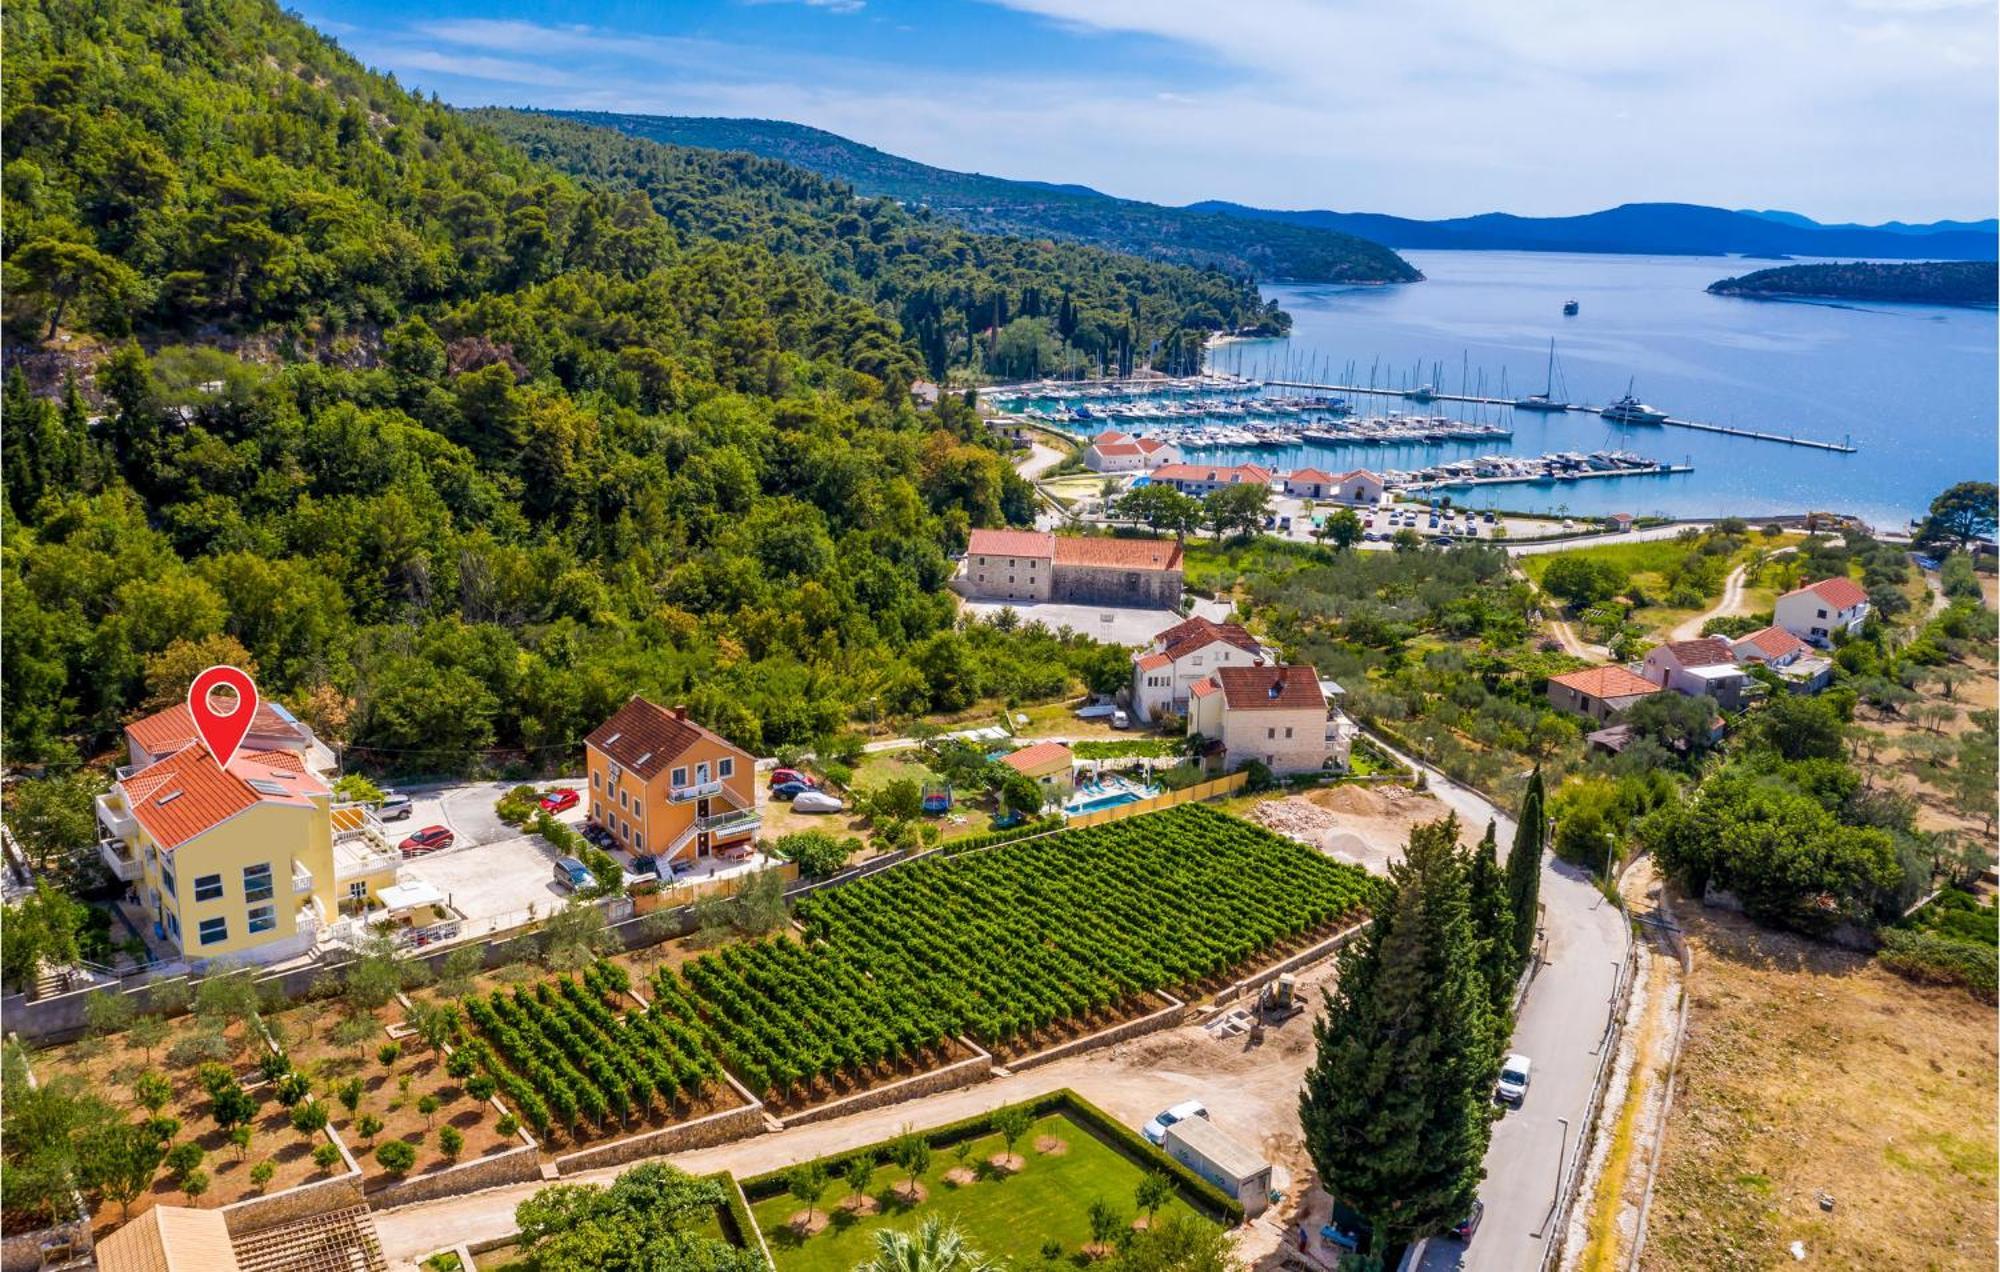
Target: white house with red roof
(1795, 662)
(1165, 672)
(1206, 479)
(1114, 452)
(1816, 611)
(1696, 667)
(1032, 566)
(1357, 485)
(1274, 713)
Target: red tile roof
(1016, 543)
(1286, 687)
(1360, 472)
(1773, 642)
(1605, 682)
(1110, 435)
(1709, 651)
(170, 730)
(1150, 445)
(1039, 756)
(1153, 662)
(188, 793)
(1196, 633)
(1840, 593)
(646, 738)
(1313, 474)
(1203, 688)
(1122, 554)
(1119, 449)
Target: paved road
(1559, 1028)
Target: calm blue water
(1912, 386)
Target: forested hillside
(1924, 282)
(510, 447)
(1022, 307)
(1188, 236)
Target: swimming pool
(1095, 803)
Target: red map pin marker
(222, 731)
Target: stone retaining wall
(703, 1132)
(253, 1214)
(1304, 958)
(960, 1073)
(515, 1166)
(1165, 1018)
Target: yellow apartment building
(668, 788)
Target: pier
(1454, 483)
(1728, 430)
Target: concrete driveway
(1560, 1026)
(467, 808)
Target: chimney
(678, 711)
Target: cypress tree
(1524, 870)
(1396, 1106)
(1493, 920)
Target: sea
(1911, 387)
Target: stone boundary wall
(1165, 1018)
(704, 1132)
(1304, 958)
(253, 1214)
(22, 1252)
(518, 1165)
(959, 1073)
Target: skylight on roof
(268, 786)
(641, 761)
(167, 798)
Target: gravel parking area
(467, 808)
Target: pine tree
(1524, 871)
(1493, 920)
(1396, 1105)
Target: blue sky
(1841, 109)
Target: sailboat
(1546, 399)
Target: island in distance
(1922, 282)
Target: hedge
(737, 1225)
(1204, 1195)
(1933, 959)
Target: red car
(429, 839)
(780, 776)
(561, 799)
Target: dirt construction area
(1827, 1114)
(1366, 826)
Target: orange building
(668, 788)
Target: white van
(1512, 1087)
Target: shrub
(508, 1125)
(518, 806)
(326, 1156)
(818, 853)
(388, 1053)
(291, 1088)
(480, 1088)
(369, 1125)
(262, 1173)
(396, 1156)
(451, 1141)
(309, 1118)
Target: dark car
(429, 839)
(1465, 1227)
(789, 790)
(395, 806)
(780, 777)
(559, 800)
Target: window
(593, 780)
(621, 800)
(679, 778)
(596, 811)
(1822, 613)
(1288, 732)
(263, 918)
(625, 827)
(214, 930)
(257, 883)
(174, 926)
(726, 767)
(358, 890)
(639, 842)
(167, 881)
(208, 887)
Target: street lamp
(1610, 847)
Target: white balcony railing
(114, 817)
(699, 790)
(735, 820)
(302, 880)
(119, 860)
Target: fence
(1166, 799)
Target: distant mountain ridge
(1036, 209)
(1680, 229)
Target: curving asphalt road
(1560, 1027)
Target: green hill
(1263, 249)
(1925, 282)
(457, 451)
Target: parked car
(571, 873)
(1119, 720)
(395, 806)
(1465, 1227)
(790, 790)
(780, 776)
(1156, 1130)
(811, 801)
(1512, 1087)
(560, 800)
(429, 839)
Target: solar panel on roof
(267, 786)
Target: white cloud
(1865, 109)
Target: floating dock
(1454, 483)
(1751, 434)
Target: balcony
(116, 819)
(302, 880)
(700, 790)
(120, 860)
(734, 822)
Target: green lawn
(1006, 1217)
(880, 768)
